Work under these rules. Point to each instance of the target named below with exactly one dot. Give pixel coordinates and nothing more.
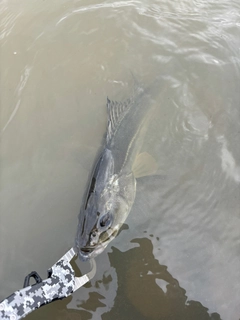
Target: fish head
(107, 206)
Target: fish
(112, 187)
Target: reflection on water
(59, 61)
(146, 290)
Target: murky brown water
(59, 60)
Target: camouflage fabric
(59, 285)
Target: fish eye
(105, 220)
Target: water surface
(178, 256)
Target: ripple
(228, 162)
(72, 55)
(8, 21)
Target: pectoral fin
(144, 165)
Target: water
(178, 255)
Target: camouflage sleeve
(60, 285)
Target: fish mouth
(83, 255)
(87, 250)
(87, 253)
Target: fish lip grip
(60, 284)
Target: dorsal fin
(116, 112)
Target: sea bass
(112, 186)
